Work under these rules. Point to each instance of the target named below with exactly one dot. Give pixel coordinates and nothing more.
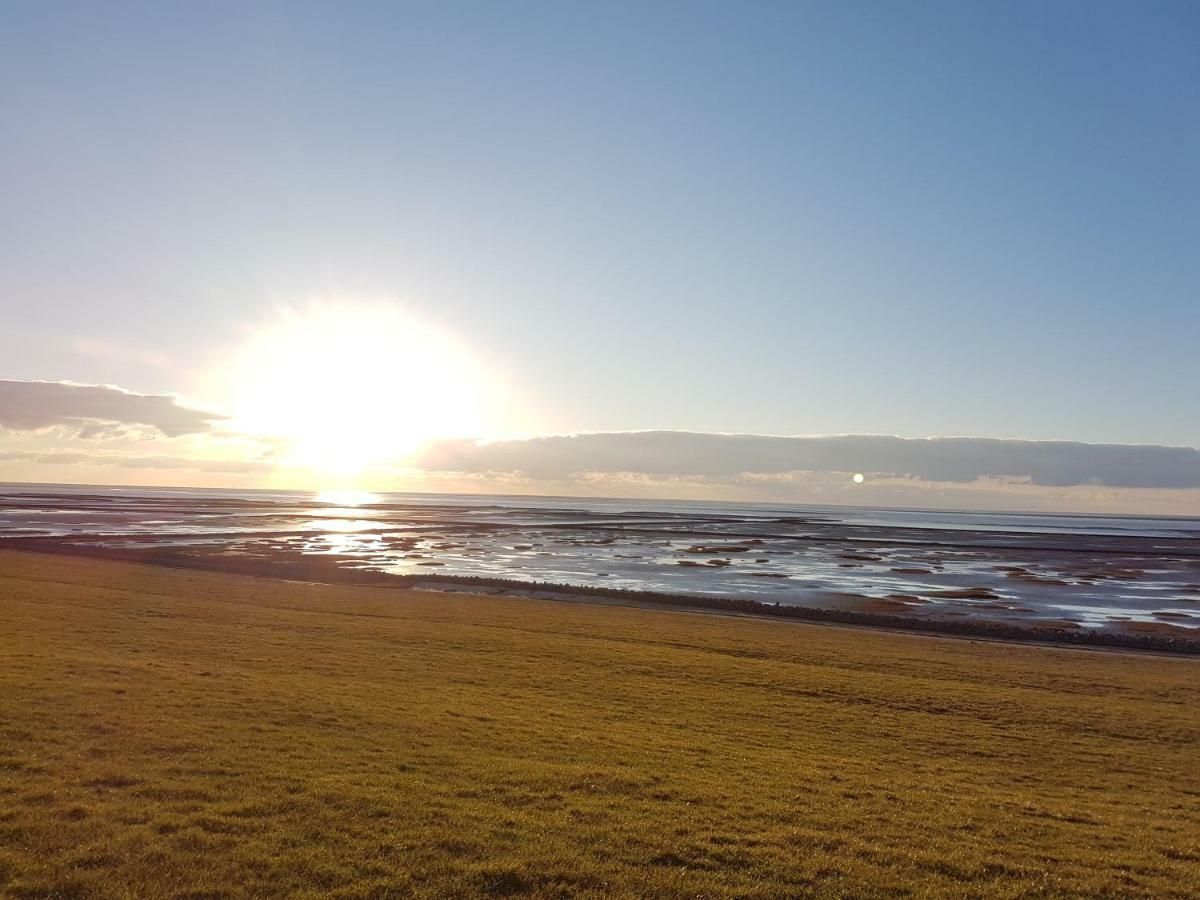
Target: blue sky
(914, 219)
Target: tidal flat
(178, 733)
(1105, 580)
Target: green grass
(166, 733)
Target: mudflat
(177, 733)
(1097, 580)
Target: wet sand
(844, 610)
(1108, 582)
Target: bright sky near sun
(395, 221)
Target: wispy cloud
(958, 460)
(34, 405)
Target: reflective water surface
(1081, 571)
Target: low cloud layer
(949, 460)
(95, 410)
(71, 458)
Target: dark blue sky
(908, 218)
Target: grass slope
(166, 733)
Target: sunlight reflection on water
(1095, 571)
(347, 498)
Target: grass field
(167, 733)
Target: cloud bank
(70, 458)
(95, 410)
(949, 460)
(84, 431)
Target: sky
(352, 232)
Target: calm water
(1096, 571)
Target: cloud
(950, 459)
(34, 405)
(72, 458)
(101, 431)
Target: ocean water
(1089, 571)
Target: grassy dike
(172, 733)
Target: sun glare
(346, 498)
(347, 386)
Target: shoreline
(325, 571)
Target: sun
(345, 386)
